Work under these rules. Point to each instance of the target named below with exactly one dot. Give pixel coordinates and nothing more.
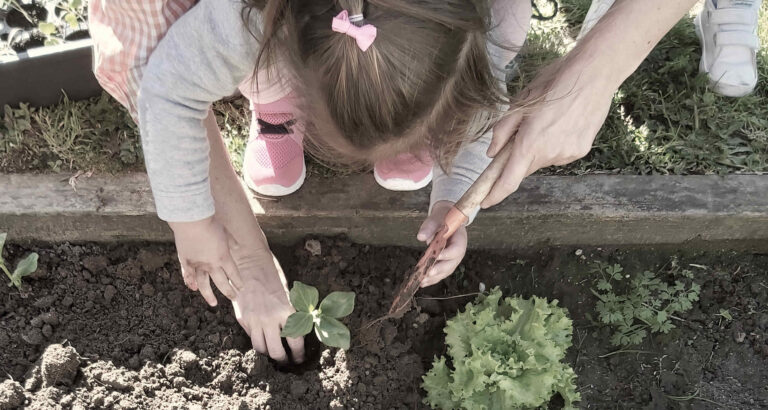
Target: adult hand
(454, 251)
(203, 250)
(262, 306)
(554, 122)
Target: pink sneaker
(405, 172)
(274, 157)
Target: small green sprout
(724, 314)
(24, 268)
(323, 317)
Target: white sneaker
(728, 33)
(596, 11)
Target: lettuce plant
(24, 268)
(503, 354)
(323, 317)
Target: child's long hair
(427, 80)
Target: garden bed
(144, 341)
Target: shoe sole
(276, 189)
(726, 90)
(400, 184)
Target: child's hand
(262, 305)
(203, 249)
(454, 250)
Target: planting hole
(312, 347)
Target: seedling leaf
(303, 297)
(24, 268)
(2, 243)
(297, 325)
(47, 28)
(604, 285)
(332, 332)
(338, 304)
(71, 19)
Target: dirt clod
(255, 365)
(109, 293)
(59, 365)
(314, 247)
(11, 395)
(148, 353)
(45, 302)
(34, 336)
(299, 388)
(109, 375)
(51, 318)
(151, 261)
(95, 264)
(184, 359)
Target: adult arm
(557, 117)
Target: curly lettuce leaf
(503, 354)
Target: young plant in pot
(41, 23)
(19, 25)
(72, 17)
(40, 59)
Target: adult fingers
(504, 130)
(275, 344)
(449, 259)
(257, 340)
(220, 279)
(233, 273)
(297, 348)
(296, 344)
(456, 248)
(440, 271)
(514, 173)
(428, 229)
(246, 325)
(188, 274)
(204, 285)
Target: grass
(88, 135)
(664, 119)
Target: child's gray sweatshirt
(205, 55)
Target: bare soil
(114, 327)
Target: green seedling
(724, 314)
(638, 304)
(323, 317)
(24, 268)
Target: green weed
(634, 305)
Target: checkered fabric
(125, 32)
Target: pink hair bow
(364, 36)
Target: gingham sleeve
(205, 55)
